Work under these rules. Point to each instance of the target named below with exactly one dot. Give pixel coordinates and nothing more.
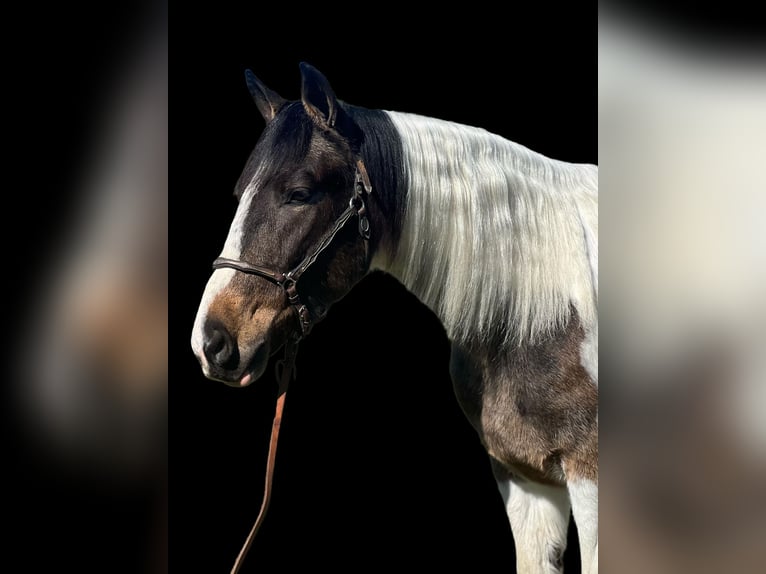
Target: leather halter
(289, 283)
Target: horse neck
(481, 229)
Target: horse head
(300, 185)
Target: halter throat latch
(362, 188)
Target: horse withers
(499, 241)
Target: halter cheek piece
(289, 283)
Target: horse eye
(299, 195)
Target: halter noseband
(289, 281)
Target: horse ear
(321, 104)
(317, 95)
(269, 102)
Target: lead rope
(285, 369)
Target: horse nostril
(220, 348)
(215, 343)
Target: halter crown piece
(289, 283)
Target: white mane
(496, 239)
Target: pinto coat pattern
(499, 241)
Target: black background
(376, 464)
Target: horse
(499, 241)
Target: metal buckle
(362, 179)
(305, 319)
(291, 289)
(357, 203)
(364, 226)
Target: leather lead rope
(285, 370)
(288, 282)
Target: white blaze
(220, 278)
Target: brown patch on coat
(535, 407)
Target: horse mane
(498, 240)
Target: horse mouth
(240, 378)
(255, 367)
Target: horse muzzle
(222, 359)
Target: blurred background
(682, 150)
(86, 267)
